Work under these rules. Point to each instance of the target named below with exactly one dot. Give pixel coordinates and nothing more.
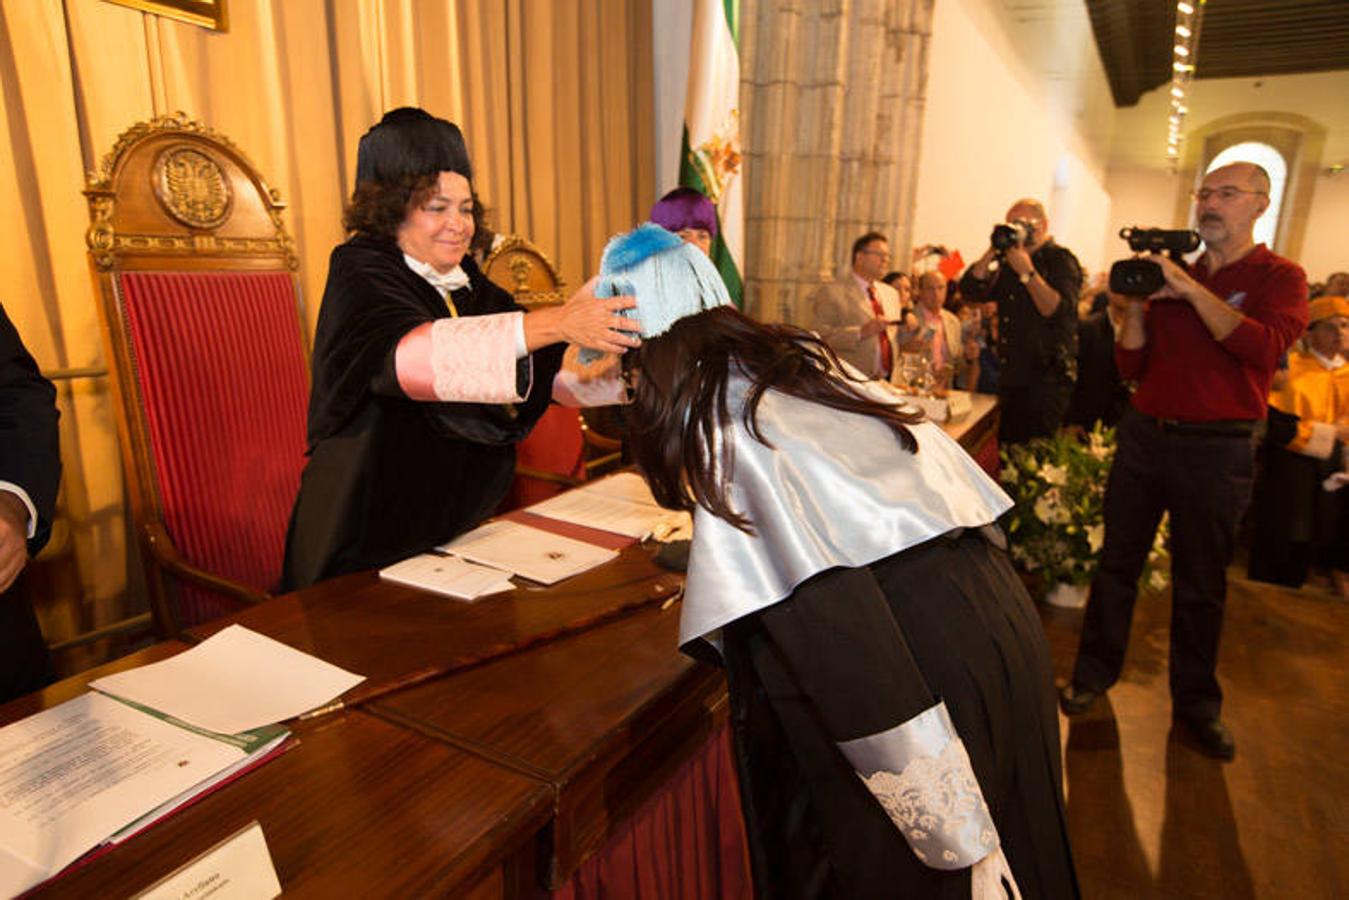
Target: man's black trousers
(1204, 480)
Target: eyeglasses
(883, 254)
(1225, 194)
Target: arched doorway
(1273, 162)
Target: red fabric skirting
(987, 458)
(686, 843)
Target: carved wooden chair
(563, 450)
(201, 317)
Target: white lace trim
(937, 805)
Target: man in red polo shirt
(1203, 349)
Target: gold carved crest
(192, 187)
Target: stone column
(832, 103)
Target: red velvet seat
(210, 363)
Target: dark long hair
(680, 409)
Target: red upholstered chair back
(560, 451)
(550, 460)
(200, 309)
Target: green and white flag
(711, 160)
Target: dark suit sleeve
(30, 454)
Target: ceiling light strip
(1188, 16)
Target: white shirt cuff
(1322, 441)
(521, 348)
(27, 501)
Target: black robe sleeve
(372, 299)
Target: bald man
(1203, 349)
(1035, 284)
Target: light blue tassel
(669, 278)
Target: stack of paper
(72, 777)
(536, 554)
(443, 574)
(621, 503)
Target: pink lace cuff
(470, 359)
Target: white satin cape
(834, 489)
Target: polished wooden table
(357, 806)
(375, 801)
(494, 747)
(977, 431)
(398, 636)
(603, 717)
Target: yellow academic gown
(1319, 396)
(1296, 521)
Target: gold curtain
(553, 98)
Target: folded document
(441, 573)
(532, 552)
(621, 503)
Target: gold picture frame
(206, 13)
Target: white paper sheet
(536, 554)
(620, 503)
(238, 868)
(74, 774)
(448, 575)
(236, 680)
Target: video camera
(1140, 277)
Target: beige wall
(1325, 248)
(1140, 196)
(1313, 105)
(995, 130)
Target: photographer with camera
(1203, 348)
(1036, 284)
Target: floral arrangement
(1057, 527)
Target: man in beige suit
(856, 314)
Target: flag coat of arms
(712, 160)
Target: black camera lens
(1005, 236)
(1136, 277)
(1159, 240)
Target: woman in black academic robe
(892, 702)
(425, 374)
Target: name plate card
(238, 868)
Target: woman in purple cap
(688, 214)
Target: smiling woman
(425, 373)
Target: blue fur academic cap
(669, 278)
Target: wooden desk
(396, 635)
(604, 717)
(358, 807)
(539, 722)
(977, 431)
